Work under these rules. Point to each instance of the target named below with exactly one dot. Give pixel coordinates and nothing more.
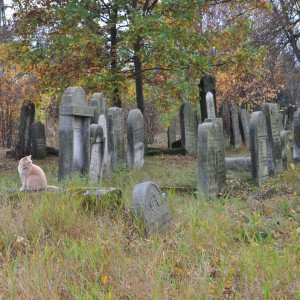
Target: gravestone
(74, 133)
(286, 152)
(23, 146)
(220, 153)
(151, 205)
(188, 126)
(38, 140)
(135, 139)
(116, 137)
(258, 148)
(171, 135)
(235, 134)
(270, 111)
(106, 171)
(225, 115)
(244, 121)
(97, 152)
(296, 128)
(208, 158)
(238, 163)
(208, 84)
(98, 103)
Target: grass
(243, 245)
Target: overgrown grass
(243, 245)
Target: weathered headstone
(270, 111)
(221, 153)
(238, 163)
(151, 205)
(208, 159)
(74, 133)
(235, 134)
(116, 137)
(38, 140)
(188, 126)
(208, 84)
(296, 128)
(244, 120)
(23, 146)
(98, 103)
(135, 139)
(258, 148)
(97, 152)
(171, 135)
(225, 115)
(286, 152)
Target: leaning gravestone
(235, 134)
(188, 126)
(24, 138)
(244, 121)
(98, 103)
(151, 205)
(74, 133)
(270, 111)
(208, 158)
(116, 137)
(38, 140)
(171, 135)
(286, 152)
(258, 148)
(135, 139)
(97, 152)
(296, 128)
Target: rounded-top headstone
(74, 96)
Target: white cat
(32, 176)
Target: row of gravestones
(98, 148)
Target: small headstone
(244, 120)
(208, 158)
(210, 106)
(38, 140)
(286, 152)
(74, 133)
(151, 205)
(235, 134)
(296, 128)
(240, 163)
(258, 148)
(270, 111)
(188, 126)
(23, 147)
(98, 103)
(171, 135)
(135, 137)
(116, 137)
(97, 152)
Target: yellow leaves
(292, 166)
(104, 279)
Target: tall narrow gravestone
(151, 205)
(74, 133)
(116, 137)
(286, 153)
(98, 103)
(244, 121)
(235, 134)
(171, 135)
(270, 111)
(296, 128)
(188, 126)
(24, 138)
(208, 158)
(135, 139)
(38, 140)
(208, 104)
(258, 148)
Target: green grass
(243, 245)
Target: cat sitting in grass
(32, 176)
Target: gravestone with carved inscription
(98, 103)
(38, 140)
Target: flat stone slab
(160, 151)
(241, 164)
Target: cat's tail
(52, 187)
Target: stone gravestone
(135, 139)
(188, 126)
(23, 146)
(171, 135)
(74, 133)
(296, 128)
(258, 148)
(116, 137)
(38, 140)
(208, 158)
(106, 172)
(274, 142)
(235, 134)
(151, 205)
(286, 152)
(98, 103)
(208, 103)
(97, 152)
(225, 115)
(244, 121)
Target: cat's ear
(29, 156)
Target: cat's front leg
(23, 187)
